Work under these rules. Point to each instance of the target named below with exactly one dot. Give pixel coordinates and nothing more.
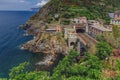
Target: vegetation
(113, 38)
(72, 67)
(20, 73)
(116, 31)
(104, 50)
(66, 9)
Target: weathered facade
(68, 31)
(95, 28)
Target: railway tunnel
(81, 29)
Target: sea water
(11, 38)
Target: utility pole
(59, 11)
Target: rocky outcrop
(47, 43)
(46, 63)
(51, 44)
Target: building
(115, 18)
(54, 29)
(81, 23)
(68, 31)
(79, 20)
(93, 22)
(58, 28)
(95, 28)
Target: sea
(11, 39)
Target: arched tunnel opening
(80, 30)
(72, 44)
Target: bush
(104, 50)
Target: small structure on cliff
(54, 29)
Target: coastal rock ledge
(51, 44)
(47, 43)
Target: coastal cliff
(48, 43)
(54, 43)
(66, 9)
(40, 20)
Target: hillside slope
(67, 9)
(93, 9)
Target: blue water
(11, 37)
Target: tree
(64, 65)
(20, 73)
(104, 50)
(116, 34)
(116, 31)
(100, 38)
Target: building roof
(102, 28)
(92, 21)
(67, 26)
(51, 29)
(79, 25)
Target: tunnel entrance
(80, 30)
(72, 44)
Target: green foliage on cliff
(92, 9)
(20, 73)
(67, 69)
(116, 31)
(104, 50)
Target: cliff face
(47, 10)
(47, 43)
(39, 21)
(51, 43)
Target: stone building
(68, 31)
(71, 36)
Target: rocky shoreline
(46, 43)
